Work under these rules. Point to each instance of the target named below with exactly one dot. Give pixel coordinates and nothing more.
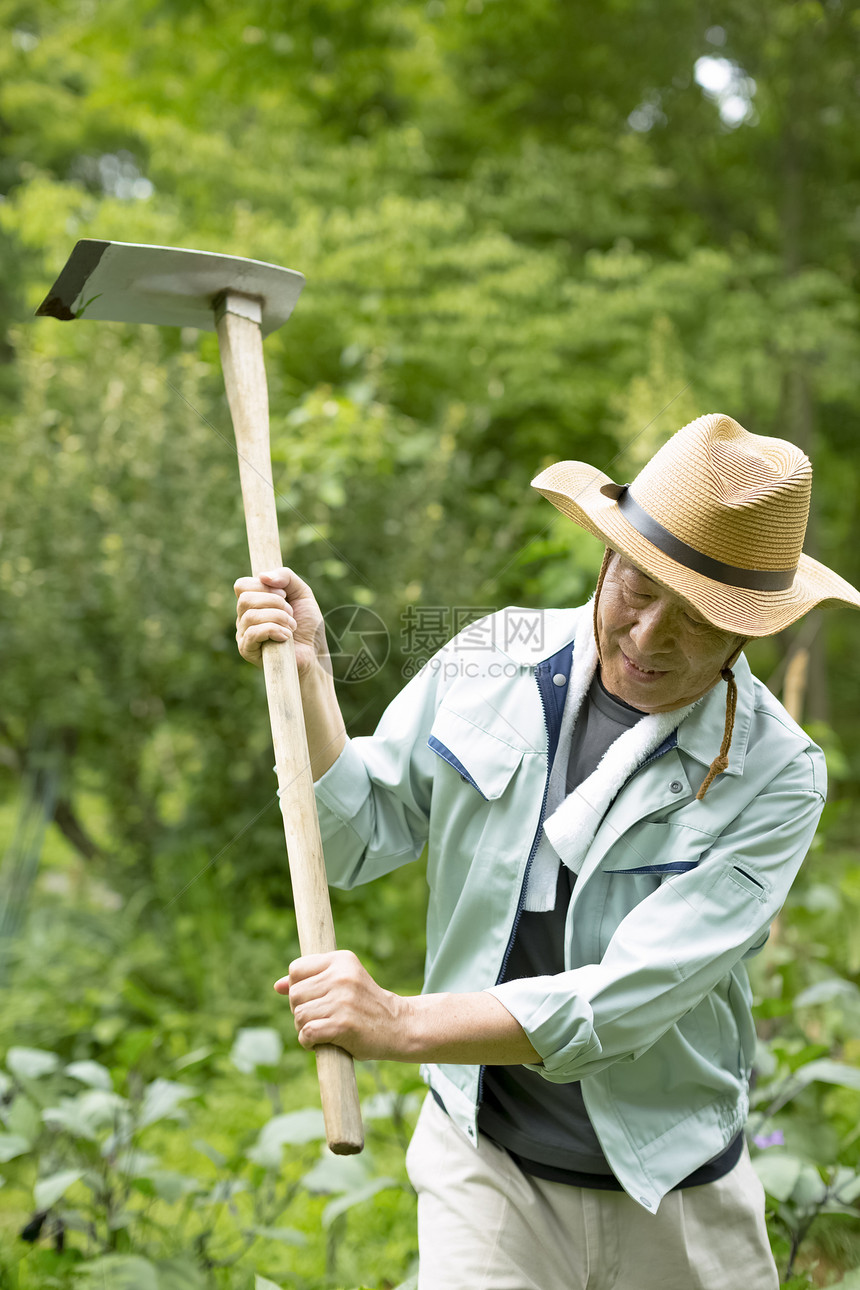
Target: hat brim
(588, 497)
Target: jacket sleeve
(374, 802)
(674, 947)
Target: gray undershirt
(533, 1118)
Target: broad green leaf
(31, 1063)
(765, 1062)
(161, 1100)
(828, 1072)
(86, 1114)
(848, 1190)
(212, 1153)
(778, 1172)
(94, 1179)
(101, 1107)
(842, 1176)
(170, 1186)
(381, 1106)
(833, 1207)
(181, 1274)
(288, 1235)
(24, 1119)
(48, 1191)
(339, 1173)
(92, 1073)
(295, 1128)
(132, 1163)
(119, 1272)
(132, 1272)
(12, 1145)
(119, 1222)
(263, 1283)
(825, 991)
(411, 1283)
(69, 1118)
(224, 1190)
(809, 1190)
(119, 1139)
(256, 1046)
(337, 1207)
(819, 898)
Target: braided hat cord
(607, 556)
(721, 762)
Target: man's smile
(640, 672)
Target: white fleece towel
(569, 830)
(543, 876)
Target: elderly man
(614, 810)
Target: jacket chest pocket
(479, 822)
(478, 757)
(657, 850)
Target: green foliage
(528, 233)
(121, 1186)
(806, 1104)
(501, 270)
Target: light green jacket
(652, 1014)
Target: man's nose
(653, 633)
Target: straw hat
(718, 516)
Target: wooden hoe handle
(241, 344)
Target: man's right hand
(273, 607)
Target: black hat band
(690, 558)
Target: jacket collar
(532, 636)
(702, 732)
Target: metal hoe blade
(167, 285)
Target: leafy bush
(121, 1187)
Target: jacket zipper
(668, 743)
(532, 853)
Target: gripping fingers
(262, 616)
(312, 1005)
(257, 600)
(313, 1029)
(253, 638)
(282, 618)
(320, 988)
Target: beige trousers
(484, 1225)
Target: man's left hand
(335, 1000)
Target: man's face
(658, 653)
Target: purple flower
(765, 1140)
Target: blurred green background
(529, 231)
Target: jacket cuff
(345, 786)
(557, 1021)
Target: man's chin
(649, 696)
(633, 685)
